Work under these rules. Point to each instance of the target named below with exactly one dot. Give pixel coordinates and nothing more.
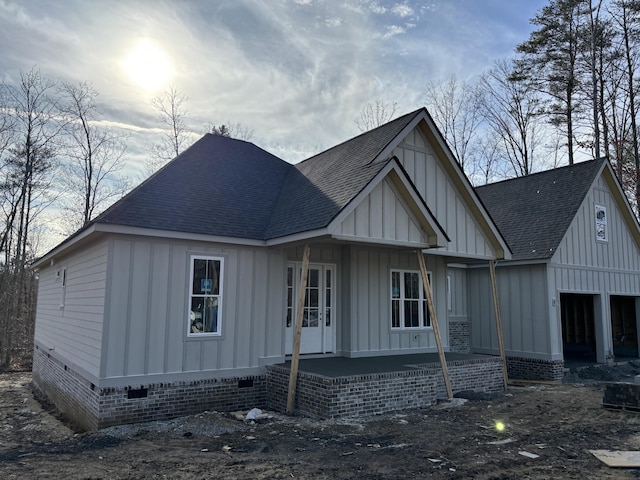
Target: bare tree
(171, 111)
(455, 108)
(512, 111)
(29, 158)
(29, 165)
(95, 158)
(375, 114)
(230, 129)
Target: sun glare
(148, 66)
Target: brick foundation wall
(460, 335)
(480, 375)
(521, 368)
(372, 394)
(622, 395)
(74, 396)
(92, 408)
(324, 397)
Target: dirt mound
(618, 372)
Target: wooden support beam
(434, 322)
(293, 374)
(496, 307)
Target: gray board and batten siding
(114, 299)
(141, 330)
(556, 252)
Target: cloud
(402, 10)
(296, 72)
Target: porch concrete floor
(344, 366)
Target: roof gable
(534, 212)
(389, 210)
(321, 186)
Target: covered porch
(333, 387)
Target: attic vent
(246, 383)
(137, 393)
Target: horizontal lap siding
(74, 331)
(442, 197)
(147, 329)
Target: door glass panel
(327, 300)
(289, 316)
(314, 277)
(311, 313)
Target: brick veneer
(332, 397)
(460, 335)
(535, 369)
(92, 408)
(622, 395)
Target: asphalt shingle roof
(321, 186)
(218, 186)
(226, 187)
(534, 212)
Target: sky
(296, 73)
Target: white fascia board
(380, 241)
(298, 237)
(621, 199)
(466, 184)
(49, 256)
(388, 150)
(148, 232)
(513, 263)
(108, 228)
(446, 253)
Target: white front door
(318, 314)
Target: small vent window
(602, 232)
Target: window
(205, 295)
(409, 308)
(61, 276)
(601, 224)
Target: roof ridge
(544, 172)
(368, 132)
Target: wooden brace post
(496, 306)
(293, 375)
(434, 322)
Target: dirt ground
(454, 440)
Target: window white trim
(204, 307)
(401, 301)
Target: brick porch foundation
(375, 393)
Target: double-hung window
(409, 308)
(205, 295)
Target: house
(571, 289)
(181, 296)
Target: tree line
(569, 93)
